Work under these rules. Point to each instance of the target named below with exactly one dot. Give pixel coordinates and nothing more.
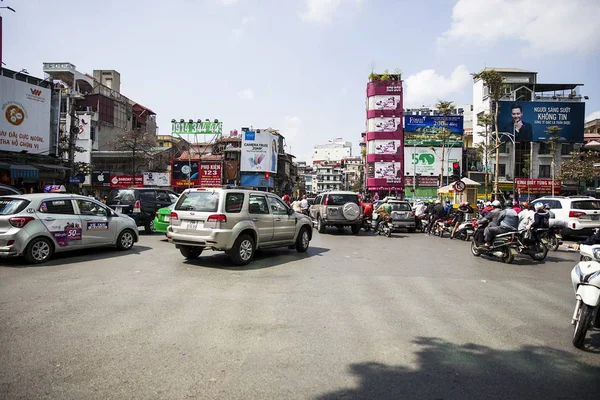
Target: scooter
(501, 247)
(385, 226)
(585, 278)
(367, 221)
(553, 237)
(465, 230)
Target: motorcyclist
(436, 212)
(383, 212)
(516, 207)
(463, 209)
(507, 221)
(286, 199)
(304, 205)
(487, 209)
(526, 216)
(590, 241)
(540, 220)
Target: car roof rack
(239, 187)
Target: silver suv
(236, 221)
(337, 208)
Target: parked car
(237, 221)
(6, 190)
(38, 225)
(162, 219)
(337, 208)
(581, 213)
(141, 204)
(403, 216)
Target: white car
(581, 213)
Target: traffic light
(456, 169)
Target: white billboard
(384, 124)
(25, 119)
(85, 127)
(384, 147)
(157, 179)
(428, 160)
(259, 152)
(384, 102)
(387, 170)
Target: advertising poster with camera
(259, 152)
(25, 118)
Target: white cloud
(593, 116)
(427, 87)
(321, 10)
(228, 2)
(546, 27)
(244, 25)
(344, 91)
(246, 94)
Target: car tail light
(137, 207)
(20, 222)
(326, 200)
(575, 214)
(156, 214)
(174, 216)
(217, 218)
(10, 242)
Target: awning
(51, 166)
(24, 171)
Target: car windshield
(198, 201)
(9, 206)
(400, 206)
(341, 199)
(586, 205)
(121, 195)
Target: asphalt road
(406, 317)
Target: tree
(137, 142)
(495, 83)
(553, 132)
(446, 108)
(485, 148)
(580, 167)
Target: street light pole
(512, 138)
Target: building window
(566, 149)
(503, 148)
(544, 171)
(501, 170)
(544, 148)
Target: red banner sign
(125, 181)
(209, 174)
(537, 185)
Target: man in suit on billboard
(522, 130)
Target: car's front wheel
(243, 250)
(302, 241)
(125, 240)
(190, 251)
(39, 250)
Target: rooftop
(509, 70)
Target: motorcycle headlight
(597, 254)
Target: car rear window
(341, 199)
(400, 207)
(10, 206)
(121, 195)
(585, 205)
(234, 202)
(198, 201)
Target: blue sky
(302, 65)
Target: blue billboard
(427, 123)
(529, 120)
(256, 180)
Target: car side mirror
(290, 211)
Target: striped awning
(24, 171)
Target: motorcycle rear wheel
(474, 250)
(508, 257)
(388, 232)
(541, 252)
(553, 243)
(584, 319)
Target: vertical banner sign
(24, 117)
(184, 173)
(209, 174)
(259, 152)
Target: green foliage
(386, 76)
(580, 166)
(374, 77)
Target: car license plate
(514, 252)
(595, 217)
(166, 218)
(119, 209)
(545, 241)
(558, 236)
(194, 225)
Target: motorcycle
(553, 237)
(501, 247)
(465, 230)
(442, 225)
(585, 278)
(422, 223)
(367, 221)
(385, 226)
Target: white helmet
(496, 204)
(538, 206)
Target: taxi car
(38, 225)
(162, 219)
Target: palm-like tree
(446, 108)
(486, 121)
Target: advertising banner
(384, 124)
(384, 146)
(101, 178)
(182, 171)
(209, 174)
(428, 161)
(537, 185)
(25, 117)
(84, 127)
(529, 120)
(423, 180)
(425, 129)
(385, 102)
(259, 152)
(197, 128)
(256, 180)
(125, 181)
(156, 179)
(390, 171)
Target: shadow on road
(75, 256)
(450, 371)
(262, 259)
